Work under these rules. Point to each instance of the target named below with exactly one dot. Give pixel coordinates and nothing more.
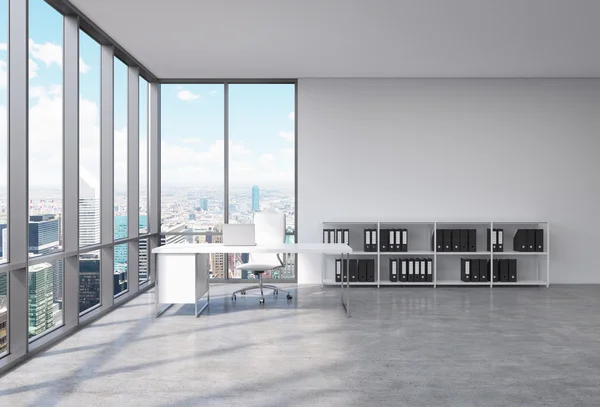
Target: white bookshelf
(533, 268)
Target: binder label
(339, 236)
(500, 237)
(391, 238)
(397, 237)
(404, 237)
(403, 268)
(373, 237)
(417, 267)
(368, 237)
(429, 267)
(394, 268)
(346, 237)
(494, 237)
(468, 267)
(410, 268)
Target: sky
(261, 119)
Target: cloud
(3, 74)
(187, 96)
(266, 160)
(192, 140)
(213, 92)
(292, 116)
(83, 67)
(48, 53)
(286, 135)
(3, 46)
(33, 68)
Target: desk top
(189, 248)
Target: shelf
(355, 253)
(407, 253)
(459, 282)
(333, 282)
(522, 283)
(409, 284)
(520, 253)
(463, 253)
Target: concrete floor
(463, 346)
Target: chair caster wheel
(243, 293)
(233, 297)
(275, 292)
(261, 301)
(289, 296)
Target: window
(45, 297)
(192, 165)
(120, 269)
(89, 280)
(89, 141)
(143, 101)
(261, 159)
(3, 313)
(143, 260)
(120, 149)
(45, 129)
(3, 141)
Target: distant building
(204, 204)
(3, 323)
(41, 313)
(44, 238)
(3, 241)
(255, 199)
(119, 281)
(89, 208)
(89, 282)
(192, 216)
(143, 259)
(217, 260)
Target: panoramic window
(3, 141)
(192, 165)
(143, 103)
(3, 313)
(262, 160)
(89, 141)
(120, 149)
(45, 129)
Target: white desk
(182, 270)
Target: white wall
(467, 149)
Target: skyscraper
(3, 241)
(44, 238)
(143, 259)
(3, 323)
(217, 260)
(40, 298)
(89, 208)
(89, 281)
(204, 204)
(255, 199)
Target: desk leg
(159, 312)
(346, 295)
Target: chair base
(260, 287)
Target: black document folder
(403, 270)
(496, 270)
(411, 270)
(531, 240)
(465, 270)
(447, 240)
(374, 240)
(474, 270)
(504, 276)
(439, 240)
(464, 240)
(472, 240)
(456, 245)
(393, 270)
(345, 270)
(370, 270)
(429, 270)
(338, 269)
(384, 240)
(499, 240)
(391, 240)
(512, 270)
(362, 271)
(539, 240)
(484, 272)
(353, 270)
(520, 241)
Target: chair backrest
(269, 228)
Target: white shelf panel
(520, 253)
(355, 253)
(459, 282)
(402, 283)
(333, 282)
(407, 253)
(463, 253)
(522, 283)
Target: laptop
(238, 235)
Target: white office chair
(269, 228)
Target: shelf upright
(378, 255)
(434, 254)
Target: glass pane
(192, 157)
(120, 269)
(45, 128)
(143, 259)
(261, 159)
(3, 313)
(45, 297)
(89, 280)
(143, 222)
(89, 141)
(3, 139)
(120, 149)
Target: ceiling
(355, 38)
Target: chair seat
(258, 266)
